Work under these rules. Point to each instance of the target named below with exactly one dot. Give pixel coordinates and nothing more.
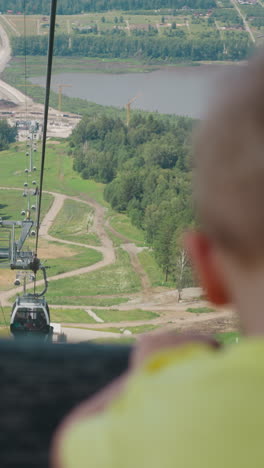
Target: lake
(170, 90)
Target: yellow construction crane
(128, 109)
(60, 88)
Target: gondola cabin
(30, 317)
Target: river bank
(155, 84)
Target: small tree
(8, 134)
(180, 271)
(173, 26)
(103, 19)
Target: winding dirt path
(132, 251)
(172, 313)
(106, 249)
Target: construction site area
(21, 111)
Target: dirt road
(25, 108)
(106, 249)
(7, 92)
(165, 302)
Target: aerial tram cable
(25, 55)
(30, 313)
(46, 110)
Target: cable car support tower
(30, 312)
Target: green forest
(205, 46)
(147, 169)
(70, 7)
(7, 134)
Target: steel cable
(46, 109)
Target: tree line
(71, 7)
(8, 134)
(147, 171)
(204, 46)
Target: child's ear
(211, 277)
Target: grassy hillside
(59, 175)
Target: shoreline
(62, 64)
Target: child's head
(229, 174)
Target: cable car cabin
(30, 317)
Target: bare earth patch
(48, 250)
(7, 278)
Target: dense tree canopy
(7, 134)
(205, 46)
(147, 171)
(70, 7)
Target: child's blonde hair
(229, 164)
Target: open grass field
(190, 22)
(70, 316)
(200, 310)
(36, 66)
(58, 257)
(122, 224)
(75, 257)
(115, 279)
(12, 202)
(134, 330)
(103, 22)
(152, 269)
(113, 315)
(75, 223)
(59, 175)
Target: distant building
(248, 2)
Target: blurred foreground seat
(39, 384)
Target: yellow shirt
(189, 407)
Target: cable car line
(25, 54)
(30, 312)
(46, 109)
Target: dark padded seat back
(39, 384)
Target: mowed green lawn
(114, 315)
(12, 203)
(80, 257)
(118, 278)
(59, 175)
(122, 224)
(153, 270)
(70, 316)
(111, 315)
(148, 327)
(75, 223)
